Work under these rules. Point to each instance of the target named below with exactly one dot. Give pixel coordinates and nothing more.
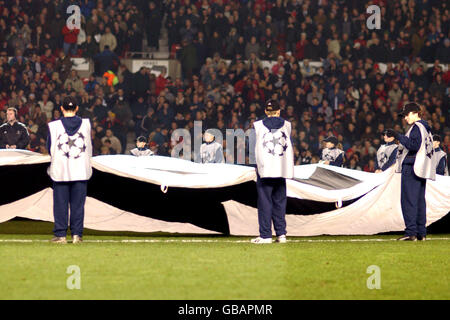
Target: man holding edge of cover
(415, 161)
(70, 146)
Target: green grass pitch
(162, 266)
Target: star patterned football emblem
(71, 147)
(429, 147)
(383, 157)
(275, 143)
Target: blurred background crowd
(363, 79)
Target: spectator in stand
(161, 82)
(63, 65)
(342, 49)
(135, 37)
(89, 47)
(70, 40)
(153, 25)
(108, 41)
(188, 58)
(106, 60)
(113, 141)
(74, 82)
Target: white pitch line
(205, 240)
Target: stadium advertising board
(155, 66)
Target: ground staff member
(13, 134)
(70, 147)
(275, 164)
(416, 164)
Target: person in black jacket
(13, 134)
(153, 25)
(105, 61)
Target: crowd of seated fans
(364, 78)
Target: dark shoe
(407, 238)
(421, 238)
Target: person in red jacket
(161, 82)
(70, 40)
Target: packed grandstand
(330, 74)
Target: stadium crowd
(222, 44)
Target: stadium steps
(164, 50)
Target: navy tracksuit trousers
(271, 206)
(69, 194)
(413, 201)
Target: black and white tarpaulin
(149, 194)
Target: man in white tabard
(387, 153)
(415, 161)
(440, 156)
(211, 151)
(275, 164)
(141, 149)
(70, 146)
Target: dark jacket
(16, 134)
(106, 60)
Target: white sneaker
(281, 239)
(260, 240)
(77, 239)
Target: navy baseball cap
(69, 103)
(388, 133)
(331, 139)
(272, 106)
(141, 139)
(436, 137)
(409, 107)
